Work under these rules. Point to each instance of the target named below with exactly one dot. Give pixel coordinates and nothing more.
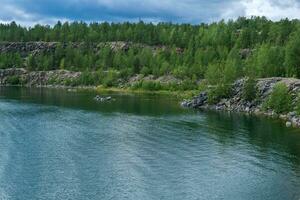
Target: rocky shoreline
(21, 76)
(236, 103)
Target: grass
(178, 94)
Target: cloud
(272, 9)
(185, 11)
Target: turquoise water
(62, 145)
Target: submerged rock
(103, 99)
(196, 102)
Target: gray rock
(283, 117)
(292, 114)
(196, 102)
(102, 99)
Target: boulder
(197, 101)
(102, 99)
(288, 124)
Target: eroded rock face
(26, 48)
(197, 101)
(37, 78)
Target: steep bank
(236, 102)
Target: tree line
(220, 52)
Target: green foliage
(249, 89)
(280, 99)
(88, 78)
(110, 78)
(186, 85)
(9, 60)
(220, 91)
(232, 71)
(13, 80)
(292, 55)
(148, 85)
(214, 74)
(266, 61)
(298, 104)
(189, 52)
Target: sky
(30, 12)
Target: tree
(280, 99)
(268, 61)
(292, 55)
(214, 73)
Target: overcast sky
(29, 12)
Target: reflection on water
(136, 104)
(60, 145)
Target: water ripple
(50, 152)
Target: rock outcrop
(20, 76)
(236, 103)
(26, 48)
(103, 99)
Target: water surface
(62, 145)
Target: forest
(219, 52)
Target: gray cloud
(185, 11)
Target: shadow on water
(145, 104)
(227, 127)
(265, 134)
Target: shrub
(148, 85)
(217, 93)
(13, 80)
(188, 85)
(298, 104)
(111, 78)
(280, 99)
(71, 82)
(249, 89)
(214, 74)
(52, 81)
(145, 71)
(86, 78)
(203, 86)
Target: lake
(56, 144)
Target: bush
(249, 89)
(188, 85)
(13, 80)
(148, 85)
(214, 74)
(217, 93)
(280, 99)
(87, 78)
(298, 104)
(111, 78)
(71, 82)
(203, 86)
